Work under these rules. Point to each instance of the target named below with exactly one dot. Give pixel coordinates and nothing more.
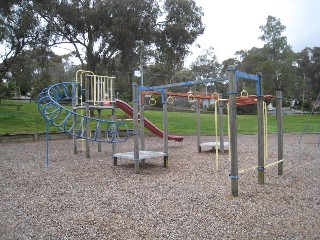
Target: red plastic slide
(150, 126)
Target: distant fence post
(36, 136)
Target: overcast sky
(233, 25)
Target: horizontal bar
(274, 163)
(247, 169)
(265, 166)
(247, 76)
(187, 83)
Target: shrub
(247, 109)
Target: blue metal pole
(47, 144)
(258, 85)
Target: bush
(210, 108)
(247, 109)
(4, 91)
(307, 105)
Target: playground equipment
(88, 93)
(148, 124)
(78, 125)
(233, 75)
(218, 144)
(234, 175)
(93, 93)
(139, 153)
(265, 125)
(193, 98)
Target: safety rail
(100, 88)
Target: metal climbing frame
(62, 117)
(93, 92)
(234, 175)
(233, 76)
(78, 125)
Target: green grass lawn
(28, 119)
(186, 123)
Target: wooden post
(166, 161)
(114, 117)
(87, 140)
(261, 131)
(220, 104)
(260, 141)
(87, 116)
(233, 130)
(74, 131)
(280, 130)
(99, 131)
(198, 126)
(115, 161)
(135, 128)
(165, 127)
(36, 136)
(142, 142)
(74, 117)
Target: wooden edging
(37, 136)
(31, 137)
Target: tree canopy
(100, 31)
(282, 68)
(20, 29)
(115, 37)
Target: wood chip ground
(80, 198)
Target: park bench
(11, 105)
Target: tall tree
(226, 63)
(35, 69)
(104, 32)
(206, 65)
(277, 51)
(19, 30)
(315, 70)
(100, 29)
(181, 27)
(309, 70)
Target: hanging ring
(191, 98)
(244, 93)
(215, 96)
(170, 100)
(152, 101)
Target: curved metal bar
(62, 117)
(126, 131)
